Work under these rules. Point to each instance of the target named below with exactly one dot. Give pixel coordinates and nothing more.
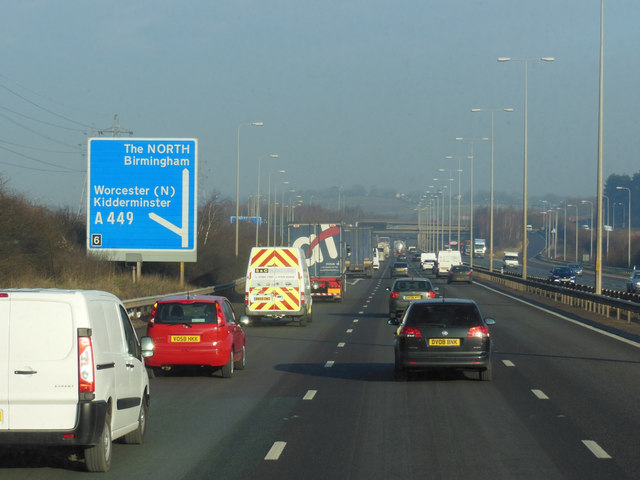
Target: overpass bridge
(410, 231)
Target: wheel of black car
(137, 436)
(242, 363)
(486, 375)
(98, 457)
(227, 370)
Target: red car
(197, 330)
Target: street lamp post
(628, 226)
(254, 124)
(577, 230)
(524, 188)
(273, 155)
(472, 141)
(584, 202)
(492, 111)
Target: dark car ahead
(400, 269)
(460, 273)
(407, 290)
(443, 334)
(562, 275)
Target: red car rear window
(189, 313)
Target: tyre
(399, 372)
(303, 321)
(487, 374)
(98, 457)
(137, 436)
(227, 369)
(242, 363)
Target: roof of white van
(56, 292)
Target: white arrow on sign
(184, 230)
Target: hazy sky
(351, 92)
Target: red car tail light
(154, 310)
(394, 294)
(431, 294)
(478, 332)
(412, 332)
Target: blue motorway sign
(142, 200)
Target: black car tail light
(478, 332)
(394, 294)
(412, 332)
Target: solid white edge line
(589, 327)
(275, 451)
(310, 394)
(508, 363)
(540, 394)
(329, 364)
(596, 449)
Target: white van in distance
(72, 372)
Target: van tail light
(87, 382)
(412, 332)
(246, 298)
(478, 332)
(302, 299)
(394, 294)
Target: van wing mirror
(147, 346)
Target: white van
(446, 259)
(71, 372)
(278, 285)
(511, 260)
(428, 260)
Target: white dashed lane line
(350, 330)
(540, 394)
(310, 394)
(508, 363)
(329, 364)
(275, 451)
(596, 449)
(341, 345)
(355, 320)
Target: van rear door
(43, 364)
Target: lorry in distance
(358, 251)
(479, 247)
(322, 246)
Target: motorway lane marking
(350, 330)
(275, 451)
(546, 310)
(596, 449)
(310, 394)
(341, 344)
(508, 363)
(355, 320)
(540, 394)
(360, 313)
(329, 364)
